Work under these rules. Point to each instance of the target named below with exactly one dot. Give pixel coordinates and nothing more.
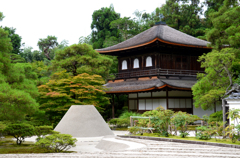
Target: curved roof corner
(162, 33)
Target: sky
(65, 19)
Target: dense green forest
(40, 85)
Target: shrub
(120, 121)
(204, 133)
(2, 127)
(123, 122)
(42, 131)
(216, 117)
(180, 120)
(127, 114)
(57, 142)
(20, 131)
(134, 130)
(161, 120)
(113, 121)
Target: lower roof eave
(148, 89)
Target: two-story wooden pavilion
(158, 67)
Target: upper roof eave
(162, 33)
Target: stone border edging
(182, 141)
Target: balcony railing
(157, 72)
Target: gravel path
(151, 149)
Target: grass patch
(9, 146)
(213, 140)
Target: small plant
(42, 131)
(231, 133)
(2, 127)
(121, 122)
(161, 120)
(20, 131)
(134, 130)
(206, 119)
(57, 142)
(127, 114)
(113, 121)
(204, 133)
(180, 120)
(216, 117)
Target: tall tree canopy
(82, 58)
(100, 25)
(184, 15)
(219, 64)
(17, 88)
(15, 39)
(59, 94)
(47, 44)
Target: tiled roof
(133, 85)
(163, 33)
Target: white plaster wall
(159, 94)
(179, 94)
(159, 102)
(141, 105)
(218, 107)
(149, 104)
(234, 104)
(133, 95)
(144, 94)
(200, 112)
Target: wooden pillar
(224, 112)
(142, 62)
(130, 64)
(137, 103)
(167, 96)
(113, 106)
(156, 61)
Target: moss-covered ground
(8, 146)
(213, 140)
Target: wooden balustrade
(157, 72)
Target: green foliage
(47, 45)
(100, 25)
(18, 93)
(204, 133)
(184, 15)
(31, 56)
(161, 120)
(81, 58)
(216, 117)
(120, 122)
(125, 25)
(59, 94)
(42, 131)
(231, 133)
(43, 72)
(2, 127)
(86, 40)
(127, 114)
(134, 130)
(218, 79)
(220, 63)
(20, 131)
(57, 142)
(113, 121)
(15, 39)
(1, 16)
(226, 27)
(234, 115)
(181, 119)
